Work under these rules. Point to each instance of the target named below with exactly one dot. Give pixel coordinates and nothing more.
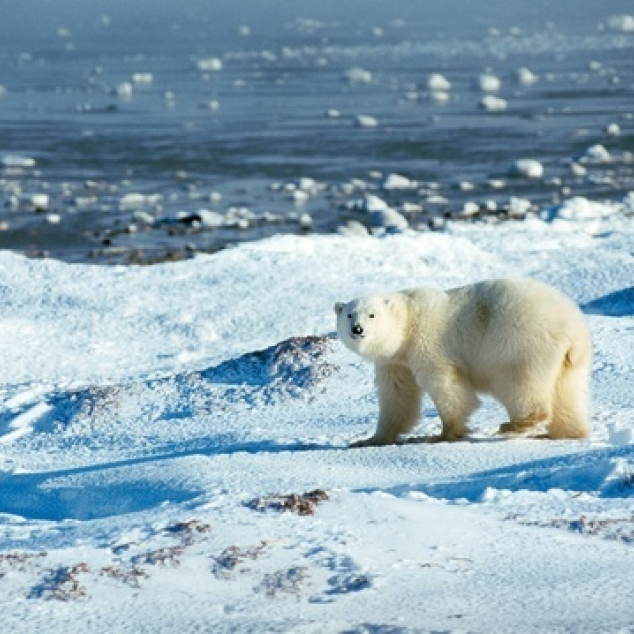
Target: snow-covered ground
(149, 416)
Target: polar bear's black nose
(357, 330)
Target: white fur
(520, 341)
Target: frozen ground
(149, 414)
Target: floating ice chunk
(212, 105)
(491, 103)
(358, 75)
(14, 160)
(53, 219)
(124, 89)
(525, 77)
(366, 121)
(144, 217)
(411, 208)
(469, 209)
(519, 207)
(209, 64)
(210, 219)
(40, 201)
(305, 221)
(3, 90)
(613, 129)
(396, 181)
(299, 196)
(526, 168)
(489, 83)
(578, 170)
(307, 184)
(333, 114)
(595, 154)
(438, 83)
(134, 200)
(142, 78)
(372, 203)
(244, 30)
(623, 23)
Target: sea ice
(124, 89)
(396, 181)
(489, 83)
(16, 161)
(526, 168)
(492, 103)
(595, 154)
(438, 83)
(358, 76)
(525, 77)
(40, 201)
(209, 64)
(613, 129)
(518, 207)
(366, 121)
(623, 23)
(142, 78)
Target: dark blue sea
(146, 131)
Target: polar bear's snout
(357, 330)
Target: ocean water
(146, 131)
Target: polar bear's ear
(338, 308)
(389, 302)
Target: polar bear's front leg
(455, 399)
(400, 401)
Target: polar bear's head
(372, 326)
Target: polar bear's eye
(371, 315)
(349, 316)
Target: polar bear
(519, 340)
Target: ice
(621, 22)
(438, 83)
(527, 168)
(489, 83)
(125, 89)
(525, 77)
(613, 129)
(135, 200)
(16, 161)
(595, 154)
(40, 201)
(492, 103)
(366, 121)
(396, 181)
(209, 64)
(358, 76)
(142, 78)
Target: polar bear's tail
(570, 417)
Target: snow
(527, 168)
(149, 414)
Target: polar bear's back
(500, 322)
